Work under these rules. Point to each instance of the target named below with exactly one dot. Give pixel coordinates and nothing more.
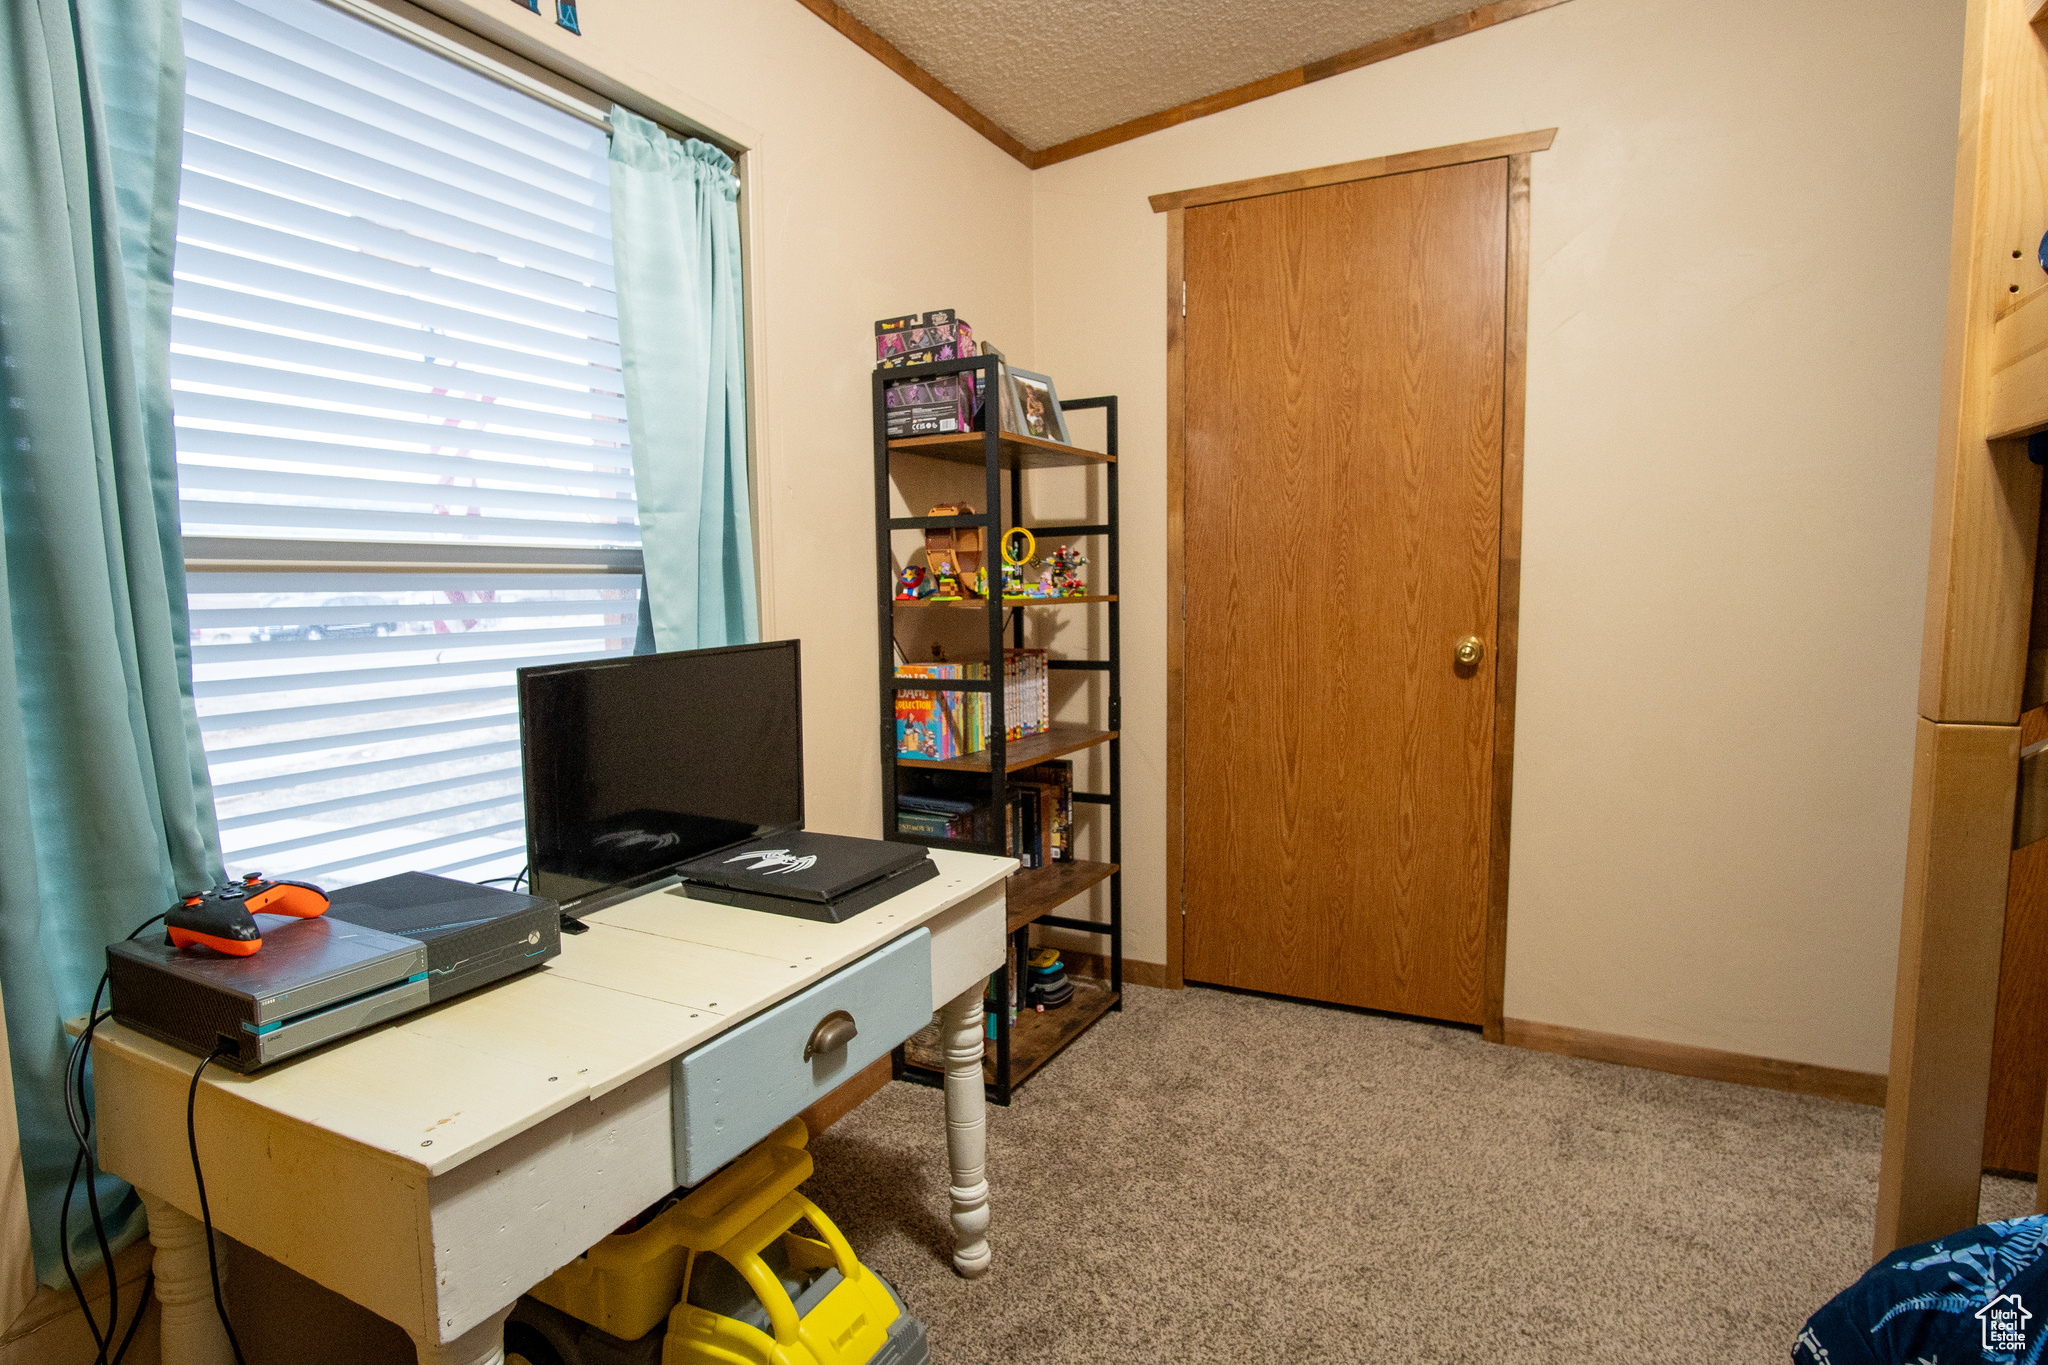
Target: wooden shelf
(1021, 753)
(1031, 1039)
(981, 603)
(1017, 452)
(1035, 1038)
(1043, 890)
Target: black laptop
(826, 877)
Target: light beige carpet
(1230, 1178)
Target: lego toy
(954, 551)
(734, 1275)
(1062, 576)
(912, 584)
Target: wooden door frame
(1516, 150)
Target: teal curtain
(676, 253)
(105, 812)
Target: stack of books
(1051, 787)
(936, 817)
(943, 725)
(1038, 814)
(1027, 692)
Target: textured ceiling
(1049, 70)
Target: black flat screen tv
(633, 766)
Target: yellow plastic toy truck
(743, 1270)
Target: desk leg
(966, 1131)
(191, 1331)
(483, 1344)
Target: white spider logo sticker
(636, 838)
(772, 862)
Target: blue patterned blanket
(1976, 1296)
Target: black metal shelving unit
(1018, 1050)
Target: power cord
(78, 1113)
(205, 1211)
(517, 880)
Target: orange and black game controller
(223, 918)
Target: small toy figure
(1018, 546)
(911, 585)
(1062, 576)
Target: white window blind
(393, 323)
(358, 725)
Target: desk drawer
(742, 1085)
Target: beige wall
(1739, 255)
(846, 165)
(1738, 272)
(866, 199)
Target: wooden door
(1345, 361)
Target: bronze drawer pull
(833, 1032)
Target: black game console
(473, 934)
(827, 877)
(383, 949)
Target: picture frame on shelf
(1031, 406)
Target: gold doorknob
(1471, 650)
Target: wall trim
(50, 1328)
(1471, 21)
(1507, 602)
(1428, 159)
(1703, 1063)
(889, 55)
(1136, 973)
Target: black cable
(79, 1114)
(148, 1287)
(205, 1211)
(92, 1323)
(78, 1290)
(92, 1196)
(517, 879)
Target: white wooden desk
(437, 1168)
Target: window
(400, 424)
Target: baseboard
(846, 1098)
(51, 1330)
(1145, 973)
(1136, 973)
(1709, 1064)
